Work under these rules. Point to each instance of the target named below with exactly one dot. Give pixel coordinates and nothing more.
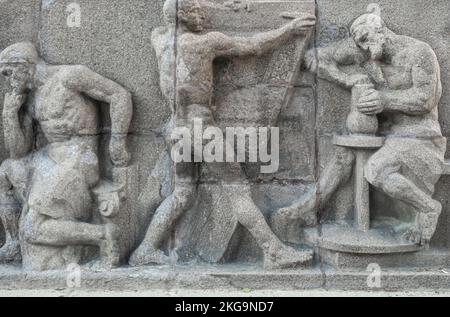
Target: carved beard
(376, 52)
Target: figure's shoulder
(419, 51)
(200, 43)
(209, 37)
(159, 32)
(71, 75)
(413, 45)
(69, 71)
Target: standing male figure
(53, 183)
(406, 75)
(186, 57)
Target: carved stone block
(250, 140)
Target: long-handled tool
(299, 53)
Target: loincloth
(56, 180)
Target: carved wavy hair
(22, 53)
(372, 18)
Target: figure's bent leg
(9, 216)
(171, 209)
(61, 233)
(276, 254)
(393, 183)
(337, 172)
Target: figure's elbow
(123, 96)
(126, 95)
(422, 104)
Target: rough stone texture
(114, 40)
(19, 21)
(228, 278)
(52, 174)
(410, 18)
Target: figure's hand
(118, 151)
(13, 102)
(310, 61)
(371, 102)
(302, 24)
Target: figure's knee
(344, 157)
(184, 196)
(376, 174)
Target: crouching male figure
(52, 182)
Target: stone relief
(65, 200)
(394, 141)
(51, 129)
(191, 100)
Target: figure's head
(188, 12)
(369, 32)
(17, 64)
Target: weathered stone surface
(334, 24)
(113, 44)
(228, 278)
(192, 94)
(19, 20)
(429, 259)
(46, 188)
(336, 164)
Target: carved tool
(299, 53)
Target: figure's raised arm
(261, 43)
(85, 81)
(326, 62)
(17, 126)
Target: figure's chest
(398, 73)
(193, 58)
(52, 101)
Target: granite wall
(114, 40)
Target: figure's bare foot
(10, 252)
(109, 249)
(411, 234)
(303, 209)
(100, 265)
(427, 224)
(145, 255)
(284, 257)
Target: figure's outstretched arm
(17, 126)
(261, 43)
(85, 81)
(325, 62)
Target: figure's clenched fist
(118, 151)
(303, 23)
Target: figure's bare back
(63, 113)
